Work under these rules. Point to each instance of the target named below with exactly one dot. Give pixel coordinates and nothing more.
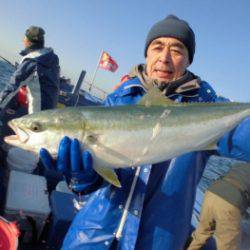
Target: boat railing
(95, 91)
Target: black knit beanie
(174, 27)
(35, 34)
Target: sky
(78, 30)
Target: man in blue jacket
(160, 209)
(38, 71)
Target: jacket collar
(30, 49)
(187, 85)
(35, 53)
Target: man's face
(26, 42)
(167, 59)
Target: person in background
(161, 205)
(38, 71)
(225, 202)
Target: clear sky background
(79, 29)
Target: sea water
(6, 70)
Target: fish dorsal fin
(154, 97)
(109, 175)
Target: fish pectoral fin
(154, 97)
(211, 146)
(109, 175)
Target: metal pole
(76, 90)
(118, 234)
(93, 78)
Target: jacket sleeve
(22, 73)
(236, 143)
(107, 102)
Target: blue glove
(236, 143)
(74, 166)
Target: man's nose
(165, 55)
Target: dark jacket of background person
(39, 71)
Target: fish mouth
(20, 135)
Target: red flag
(107, 62)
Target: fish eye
(36, 127)
(92, 138)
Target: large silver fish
(155, 130)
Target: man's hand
(74, 165)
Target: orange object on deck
(8, 235)
(123, 79)
(22, 97)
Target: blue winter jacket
(39, 71)
(160, 212)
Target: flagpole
(94, 75)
